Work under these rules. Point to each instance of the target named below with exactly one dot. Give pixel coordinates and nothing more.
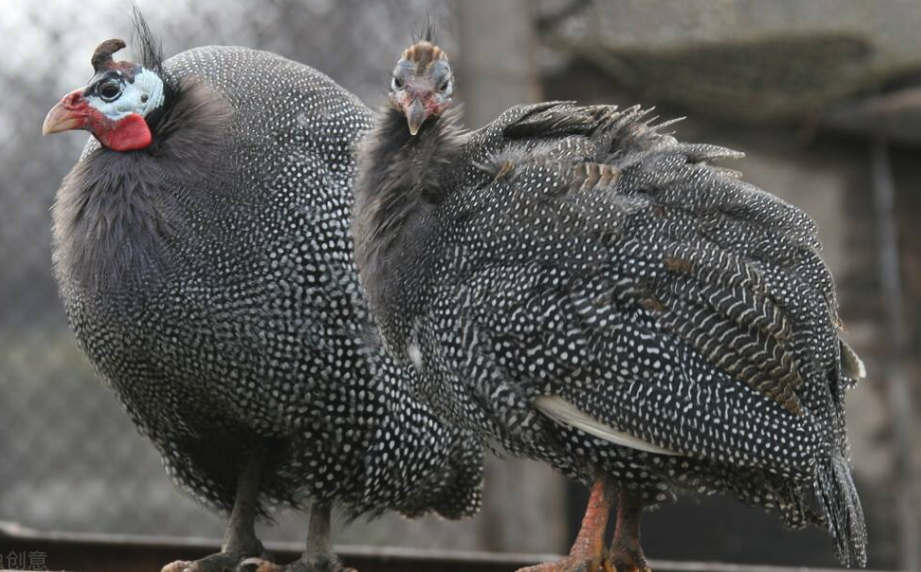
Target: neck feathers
(401, 181)
(120, 216)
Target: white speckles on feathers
(655, 293)
(252, 332)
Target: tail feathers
(837, 498)
(455, 491)
(464, 495)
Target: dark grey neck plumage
(401, 181)
(118, 215)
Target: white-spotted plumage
(235, 320)
(575, 256)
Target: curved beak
(416, 114)
(66, 115)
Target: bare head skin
(422, 84)
(113, 105)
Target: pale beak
(63, 116)
(415, 115)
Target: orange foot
(220, 562)
(626, 553)
(319, 563)
(587, 553)
(628, 569)
(573, 564)
(628, 560)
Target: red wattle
(127, 134)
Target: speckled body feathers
(210, 280)
(577, 252)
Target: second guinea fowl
(203, 252)
(586, 290)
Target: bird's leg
(240, 536)
(240, 550)
(588, 552)
(626, 552)
(319, 533)
(319, 555)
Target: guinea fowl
(585, 290)
(203, 252)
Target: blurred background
(824, 97)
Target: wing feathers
(565, 413)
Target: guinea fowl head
(115, 104)
(422, 84)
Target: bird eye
(444, 86)
(397, 83)
(110, 90)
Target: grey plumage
(579, 253)
(210, 280)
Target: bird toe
(222, 562)
(573, 564)
(317, 563)
(177, 566)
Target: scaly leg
(240, 549)
(587, 553)
(626, 552)
(319, 555)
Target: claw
(256, 564)
(574, 564)
(317, 563)
(223, 562)
(177, 566)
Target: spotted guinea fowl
(586, 290)
(203, 252)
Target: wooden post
(497, 68)
(906, 476)
(498, 65)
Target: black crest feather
(148, 46)
(427, 33)
(149, 51)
